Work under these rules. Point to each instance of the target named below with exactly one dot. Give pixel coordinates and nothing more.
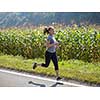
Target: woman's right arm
(48, 45)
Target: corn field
(81, 43)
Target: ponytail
(46, 30)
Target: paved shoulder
(16, 79)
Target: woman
(50, 54)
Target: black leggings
(50, 56)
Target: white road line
(41, 78)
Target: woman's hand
(57, 44)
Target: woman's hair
(46, 29)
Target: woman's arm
(48, 45)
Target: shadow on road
(43, 85)
(37, 84)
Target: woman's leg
(55, 62)
(47, 61)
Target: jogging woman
(50, 54)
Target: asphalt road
(16, 79)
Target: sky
(49, 5)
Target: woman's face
(51, 31)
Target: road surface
(17, 79)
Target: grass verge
(71, 69)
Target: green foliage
(81, 43)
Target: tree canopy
(9, 19)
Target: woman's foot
(58, 78)
(34, 65)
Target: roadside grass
(71, 69)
